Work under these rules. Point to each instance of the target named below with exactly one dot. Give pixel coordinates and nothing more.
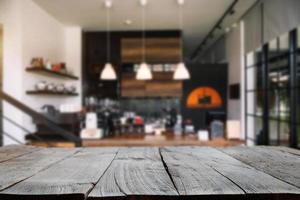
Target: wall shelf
(47, 72)
(33, 92)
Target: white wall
(234, 57)
(233, 54)
(10, 14)
(31, 32)
(1, 53)
(1, 67)
(73, 58)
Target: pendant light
(108, 73)
(144, 72)
(181, 72)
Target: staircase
(68, 139)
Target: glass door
(254, 93)
(278, 91)
(273, 92)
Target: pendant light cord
(108, 33)
(181, 29)
(143, 34)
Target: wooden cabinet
(162, 85)
(158, 50)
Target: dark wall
(94, 59)
(212, 75)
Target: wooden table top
(149, 173)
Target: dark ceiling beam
(218, 25)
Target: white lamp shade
(181, 72)
(108, 73)
(144, 72)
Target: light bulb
(108, 73)
(181, 72)
(144, 72)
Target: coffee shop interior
(150, 72)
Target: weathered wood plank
(250, 180)
(13, 151)
(71, 178)
(279, 164)
(284, 149)
(135, 172)
(193, 177)
(23, 167)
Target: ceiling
(199, 16)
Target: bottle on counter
(178, 126)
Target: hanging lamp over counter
(108, 73)
(181, 72)
(144, 72)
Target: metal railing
(35, 116)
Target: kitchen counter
(166, 139)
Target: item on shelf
(60, 88)
(123, 120)
(148, 129)
(217, 129)
(189, 127)
(59, 67)
(203, 135)
(178, 126)
(91, 120)
(41, 86)
(48, 65)
(138, 120)
(56, 67)
(63, 68)
(92, 133)
(50, 87)
(169, 67)
(158, 68)
(49, 109)
(71, 89)
(37, 62)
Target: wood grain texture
(280, 164)
(149, 173)
(158, 50)
(13, 151)
(162, 85)
(130, 87)
(250, 180)
(284, 149)
(193, 177)
(23, 167)
(71, 178)
(164, 89)
(135, 172)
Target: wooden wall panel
(158, 50)
(130, 87)
(162, 85)
(164, 89)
